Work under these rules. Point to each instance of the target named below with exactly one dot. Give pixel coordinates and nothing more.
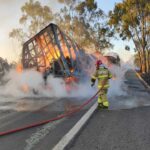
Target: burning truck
(51, 51)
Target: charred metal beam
(51, 48)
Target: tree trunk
(148, 59)
(144, 60)
(140, 60)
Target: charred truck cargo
(52, 52)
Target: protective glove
(92, 84)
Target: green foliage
(131, 19)
(81, 20)
(89, 5)
(128, 17)
(34, 18)
(18, 34)
(78, 19)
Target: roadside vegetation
(78, 19)
(91, 28)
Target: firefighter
(103, 75)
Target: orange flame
(70, 83)
(52, 52)
(25, 88)
(19, 68)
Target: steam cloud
(29, 82)
(127, 63)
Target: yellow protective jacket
(102, 74)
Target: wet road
(17, 113)
(124, 127)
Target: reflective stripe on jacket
(103, 75)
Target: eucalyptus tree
(131, 19)
(85, 22)
(34, 18)
(82, 20)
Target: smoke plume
(30, 83)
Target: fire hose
(52, 119)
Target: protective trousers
(102, 98)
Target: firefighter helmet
(98, 63)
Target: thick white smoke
(19, 84)
(30, 83)
(117, 86)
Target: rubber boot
(105, 105)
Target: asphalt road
(124, 127)
(115, 130)
(18, 113)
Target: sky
(9, 18)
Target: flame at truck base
(52, 52)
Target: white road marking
(40, 134)
(77, 127)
